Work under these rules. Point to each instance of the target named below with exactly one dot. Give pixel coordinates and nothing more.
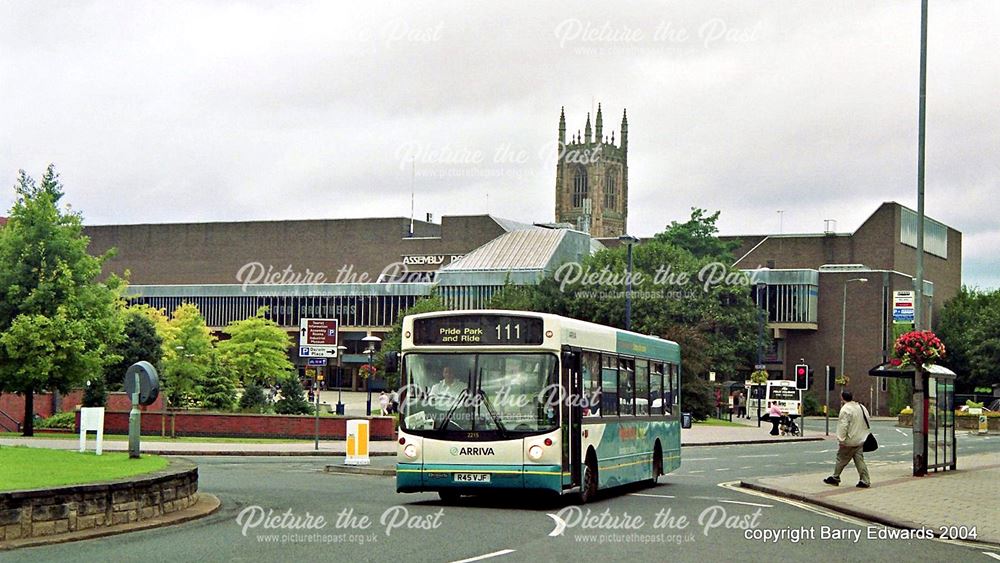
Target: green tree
(969, 326)
(188, 358)
(393, 339)
(699, 236)
(293, 397)
(142, 343)
(253, 398)
(219, 389)
(95, 394)
(58, 323)
(256, 350)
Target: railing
(6, 421)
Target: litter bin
(685, 420)
(340, 408)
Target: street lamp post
(760, 346)
(372, 341)
(340, 371)
(843, 341)
(629, 240)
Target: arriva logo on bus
(472, 451)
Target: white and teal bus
(495, 399)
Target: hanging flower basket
(366, 371)
(842, 379)
(758, 377)
(918, 348)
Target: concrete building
(808, 281)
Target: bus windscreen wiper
(493, 413)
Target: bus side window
(590, 367)
(609, 386)
(656, 396)
(626, 387)
(641, 388)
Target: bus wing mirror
(568, 357)
(392, 362)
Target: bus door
(571, 416)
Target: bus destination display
(478, 330)
(784, 394)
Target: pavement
(949, 503)
(698, 435)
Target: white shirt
(851, 427)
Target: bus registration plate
(472, 477)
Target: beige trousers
(845, 454)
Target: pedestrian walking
(852, 430)
(383, 402)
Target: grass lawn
(158, 438)
(718, 422)
(33, 468)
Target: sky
(781, 115)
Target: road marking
(487, 556)
(644, 495)
(700, 459)
(747, 467)
(697, 471)
(560, 525)
(748, 503)
(991, 554)
(901, 432)
(760, 455)
(723, 469)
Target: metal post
(919, 423)
(628, 291)
(826, 408)
(316, 396)
(760, 346)
(368, 383)
(918, 289)
(134, 422)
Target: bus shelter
(934, 446)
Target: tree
(969, 326)
(257, 350)
(293, 398)
(218, 389)
(188, 358)
(699, 236)
(393, 339)
(95, 394)
(58, 323)
(253, 398)
(141, 343)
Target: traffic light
(831, 377)
(801, 376)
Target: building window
(579, 186)
(611, 189)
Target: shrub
(697, 398)
(253, 398)
(96, 394)
(58, 420)
(293, 399)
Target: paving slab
(938, 501)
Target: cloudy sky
(214, 110)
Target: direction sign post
(318, 338)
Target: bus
(789, 398)
(516, 400)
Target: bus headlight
(535, 452)
(410, 451)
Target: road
(690, 516)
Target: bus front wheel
(449, 496)
(657, 464)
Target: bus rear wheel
(588, 489)
(657, 464)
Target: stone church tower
(592, 178)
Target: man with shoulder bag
(855, 437)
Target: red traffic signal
(801, 376)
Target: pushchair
(787, 425)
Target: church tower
(592, 178)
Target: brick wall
(28, 514)
(240, 425)
(13, 404)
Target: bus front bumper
(415, 477)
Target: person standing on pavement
(852, 430)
